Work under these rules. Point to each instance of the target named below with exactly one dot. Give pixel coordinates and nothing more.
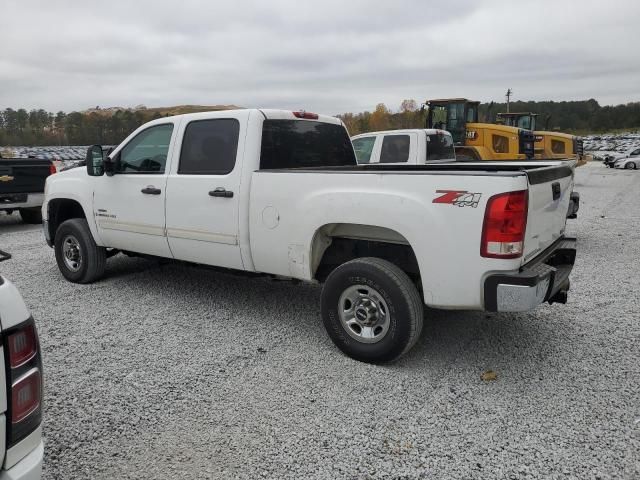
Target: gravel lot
(173, 371)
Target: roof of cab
(268, 113)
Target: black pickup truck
(22, 186)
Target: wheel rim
(364, 314)
(72, 253)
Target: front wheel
(31, 215)
(630, 166)
(79, 259)
(372, 310)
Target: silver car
(630, 160)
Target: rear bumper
(14, 201)
(29, 468)
(544, 279)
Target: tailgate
(549, 195)
(23, 176)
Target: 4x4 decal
(460, 198)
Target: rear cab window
(303, 144)
(440, 147)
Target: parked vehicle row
(280, 193)
(22, 186)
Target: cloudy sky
(330, 56)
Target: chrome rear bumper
(544, 279)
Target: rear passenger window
(364, 147)
(395, 149)
(209, 147)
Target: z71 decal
(460, 198)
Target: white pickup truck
(412, 146)
(279, 192)
(21, 446)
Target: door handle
(555, 190)
(151, 190)
(221, 192)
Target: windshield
(527, 122)
(440, 147)
(301, 143)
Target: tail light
(24, 380)
(306, 115)
(52, 169)
(22, 346)
(505, 223)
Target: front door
(129, 206)
(203, 192)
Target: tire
(79, 259)
(360, 328)
(31, 215)
(630, 166)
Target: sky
(328, 56)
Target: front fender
(69, 185)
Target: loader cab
(452, 115)
(525, 120)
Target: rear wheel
(31, 215)
(79, 259)
(630, 166)
(372, 310)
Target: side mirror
(94, 161)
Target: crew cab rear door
(203, 189)
(549, 195)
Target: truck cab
(410, 147)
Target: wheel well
(61, 209)
(342, 250)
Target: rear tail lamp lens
(25, 396)
(504, 227)
(22, 346)
(52, 169)
(24, 380)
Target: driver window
(147, 152)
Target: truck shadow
(13, 223)
(461, 340)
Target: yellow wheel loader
(554, 145)
(474, 140)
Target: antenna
(508, 95)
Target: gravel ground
(173, 371)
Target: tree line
(584, 116)
(39, 127)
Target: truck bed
(23, 175)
